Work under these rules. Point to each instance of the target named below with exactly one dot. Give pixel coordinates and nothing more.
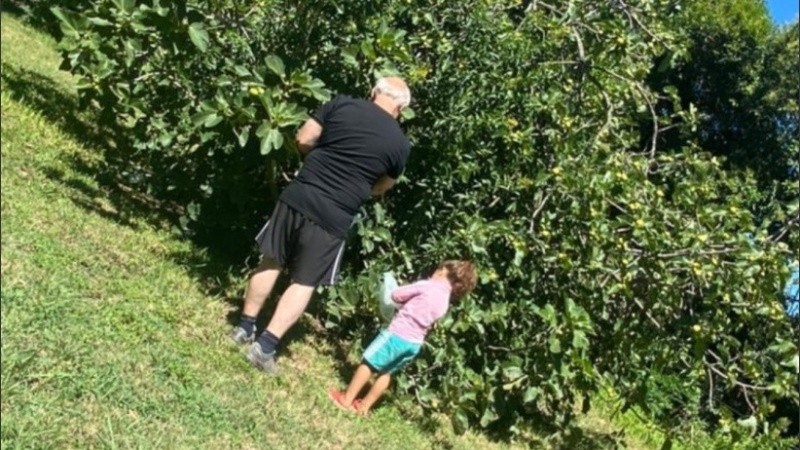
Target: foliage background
(623, 173)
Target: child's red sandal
(338, 399)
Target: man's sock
(248, 324)
(268, 342)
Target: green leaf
(201, 117)
(249, 113)
(199, 36)
(99, 21)
(751, 423)
(368, 50)
(277, 139)
(569, 305)
(242, 135)
(130, 53)
(160, 11)
(124, 5)
(319, 92)
(349, 55)
(383, 234)
(531, 394)
(208, 136)
(579, 340)
(555, 345)
(275, 64)
(272, 139)
(193, 211)
(266, 102)
(548, 313)
(368, 245)
(408, 113)
(213, 120)
(242, 71)
(512, 372)
(266, 146)
(460, 421)
(70, 23)
(489, 416)
(380, 213)
(264, 129)
(287, 114)
(558, 392)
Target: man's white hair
(400, 94)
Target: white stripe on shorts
(376, 345)
(336, 263)
(263, 230)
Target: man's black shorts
(312, 255)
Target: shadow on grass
(48, 99)
(37, 14)
(12, 7)
(111, 197)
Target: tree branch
(620, 208)
(689, 251)
(710, 389)
(537, 211)
(744, 386)
(643, 93)
(782, 232)
(647, 313)
(579, 40)
(633, 17)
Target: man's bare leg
(260, 286)
(290, 307)
(258, 289)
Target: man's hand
(382, 185)
(308, 135)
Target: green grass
(111, 335)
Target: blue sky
(783, 11)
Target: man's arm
(308, 135)
(382, 185)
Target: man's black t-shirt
(360, 143)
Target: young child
(420, 304)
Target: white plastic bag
(385, 303)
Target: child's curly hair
(462, 275)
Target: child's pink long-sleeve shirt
(423, 303)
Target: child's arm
(406, 293)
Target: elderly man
(353, 149)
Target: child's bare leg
(378, 388)
(360, 378)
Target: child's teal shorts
(389, 353)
